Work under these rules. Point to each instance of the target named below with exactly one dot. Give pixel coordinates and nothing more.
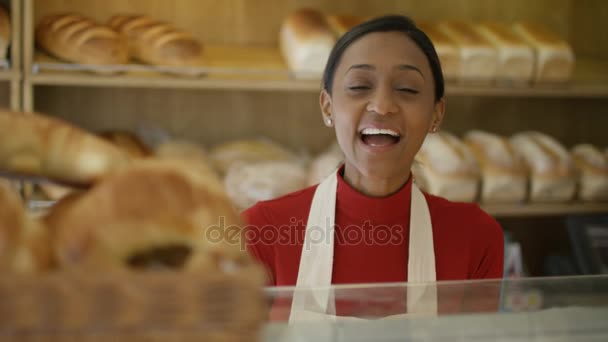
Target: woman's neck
(374, 186)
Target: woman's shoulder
(294, 205)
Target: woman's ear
(325, 103)
(438, 114)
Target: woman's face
(382, 104)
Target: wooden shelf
(544, 209)
(258, 68)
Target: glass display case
(527, 309)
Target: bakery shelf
(544, 209)
(262, 68)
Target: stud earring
(434, 129)
(328, 121)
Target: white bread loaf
(224, 155)
(515, 56)
(478, 58)
(248, 183)
(552, 177)
(448, 52)
(324, 164)
(446, 167)
(592, 167)
(503, 173)
(554, 56)
(306, 40)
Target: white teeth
(372, 131)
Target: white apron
(312, 296)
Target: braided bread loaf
(158, 43)
(79, 39)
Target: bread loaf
(248, 183)
(446, 167)
(306, 41)
(515, 56)
(503, 173)
(324, 164)
(37, 145)
(5, 32)
(592, 169)
(478, 58)
(24, 242)
(341, 24)
(554, 56)
(448, 52)
(158, 43)
(155, 213)
(552, 177)
(128, 142)
(78, 39)
(248, 150)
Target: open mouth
(378, 137)
(166, 257)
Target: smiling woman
(383, 93)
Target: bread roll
(158, 43)
(550, 165)
(448, 52)
(79, 39)
(5, 32)
(24, 242)
(36, 145)
(155, 213)
(554, 56)
(592, 167)
(324, 164)
(515, 56)
(503, 173)
(248, 183)
(341, 24)
(478, 58)
(254, 150)
(446, 167)
(306, 41)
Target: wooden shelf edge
(544, 209)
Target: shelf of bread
(545, 209)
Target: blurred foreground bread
(306, 40)
(552, 177)
(38, 145)
(158, 43)
(153, 214)
(478, 58)
(515, 56)
(341, 24)
(446, 167)
(248, 183)
(503, 173)
(248, 150)
(447, 50)
(554, 56)
(5, 32)
(79, 39)
(128, 142)
(592, 167)
(24, 242)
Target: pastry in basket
(154, 214)
(37, 145)
(552, 173)
(5, 32)
(24, 242)
(592, 167)
(248, 183)
(446, 167)
(324, 164)
(503, 172)
(158, 43)
(247, 151)
(79, 39)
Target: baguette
(592, 167)
(158, 43)
(78, 39)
